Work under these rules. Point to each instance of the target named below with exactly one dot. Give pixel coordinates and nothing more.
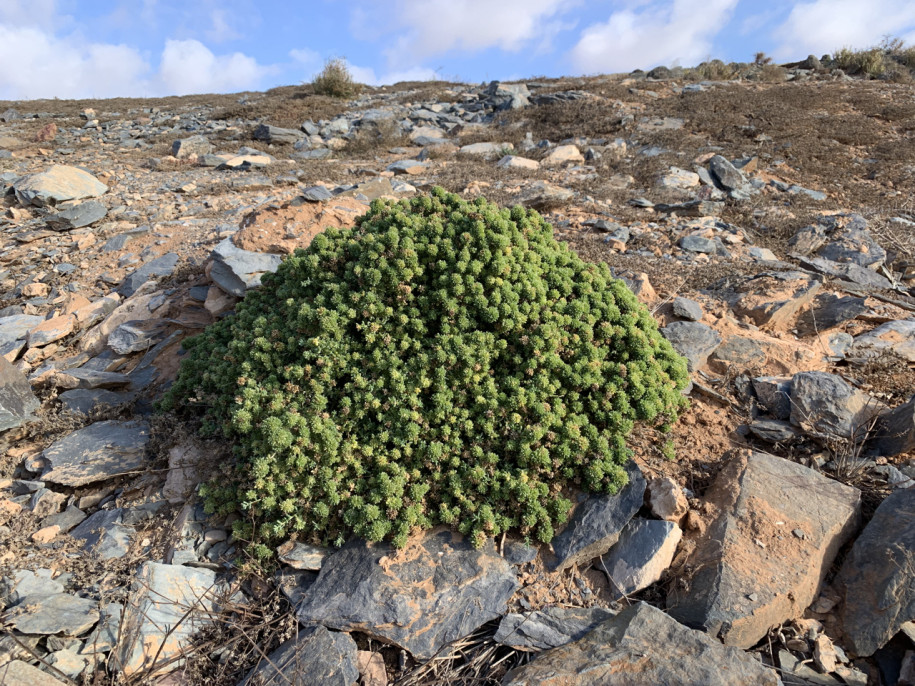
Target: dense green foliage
(442, 362)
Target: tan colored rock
(563, 154)
(218, 301)
(51, 330)
(36, 290)
(8, 508)
(516, 162)
(371, 668)
(281, 230)
(46, 133)
(46, 534)
(89, 313)
(667, 499)
(773, 299)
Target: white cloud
(367, 75)
(39, 64)
(652, 33)
(221, 29)
(188, 66)
(434, 27)
(823, 26)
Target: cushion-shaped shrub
(443, 361)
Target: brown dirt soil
(283, 229)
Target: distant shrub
(443, 361)
(335, 80)
(871, 63)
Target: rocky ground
(766, 221)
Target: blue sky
(108, 48)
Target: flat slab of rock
(17, 402)
(827, 405)
(236, 271)
(78, 216)
(897, 336)
(18, 673)
(58, 184)
(314, 656)
(644, 551)
(436, 590)
(59, 613)
(172, 596)
(154, 269)
(596, 523)
(693, 340)
(772, 299)
(642, 646)
(97, 452)
(549, 628)
(542, 195)
(753, 573)
(879, 576)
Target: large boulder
(879, 576)
(642, 646)
(777, 529)
(436, 590)
(56, 185)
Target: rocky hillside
(767, 222)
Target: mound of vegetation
(443, 361)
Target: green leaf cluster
(443, 361)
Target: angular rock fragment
(751, 573)
(878, 576)
(236, 271)
(275, 134)
(191, 147)
(58, 613)
(693, 340)
(314, 656)
(97, 452)
(549, 628)
(56, 185)
(772, 299)
(642, 554)
(180, 598)
(596, 523)
(895, 431)
(17, 402)
(154, 269)
(436, 590)
(642, 646)
(827, 405)
(897, 336)
(19, 673)
(78, 216)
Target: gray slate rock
(774, 394)
(17, 402)
(699, 244)
(693, 340)
(314, 656)
(794, 290)
(642, 646)
(159, 267)
(750, 572)
(104, 534)
(827, 405)
(847, 272)
(549, 628)
(136, 336)
(684, 308)
(829, 311)
(66, 520)
(542, 195)
(56, 185)
(302, 556)
(97, 452)
(191, 147)
(16, 327)
(895, 431)
(180, 598)
(740, 351)
(897, 336)
(236, 271)
(878, 576)
(316, 194)
(729, 178)
(437, 591)
(24, 583)
(105, 634)
(642, 554)
(59, 613)
(774, 430)
(84, 400)
(596, 523)
(78, 216)
(275, 134)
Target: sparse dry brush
(335, 80)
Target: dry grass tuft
(335, 80)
